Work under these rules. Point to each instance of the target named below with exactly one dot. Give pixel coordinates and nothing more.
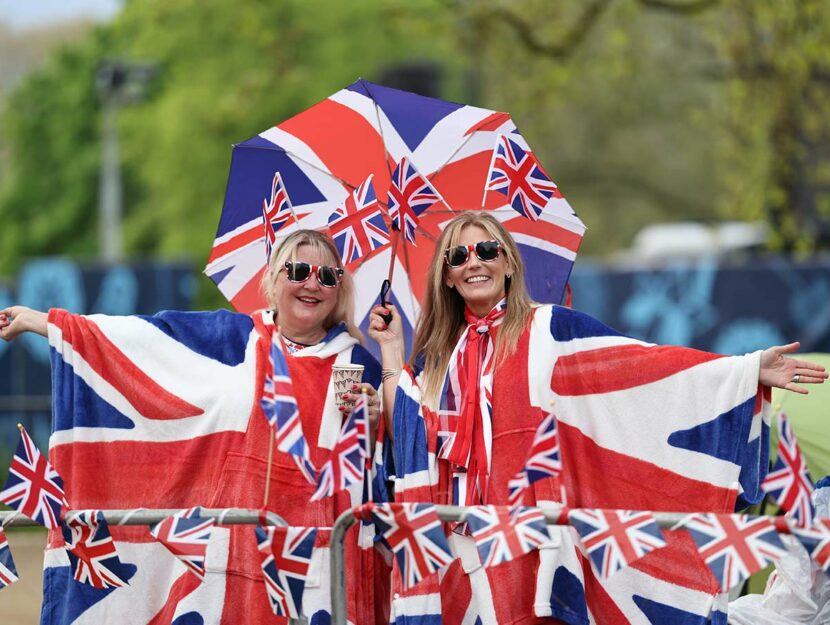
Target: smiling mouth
(309, 300)
(476, 279)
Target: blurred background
(691, 136)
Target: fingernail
(354, 387)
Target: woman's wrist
(391, 355)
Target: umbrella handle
(384, 300)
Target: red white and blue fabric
(516, 173)
(816, 540)
(92, 554)
(734, 546)
(279, 405)
(789, 482)
(358, 228)
(168, 409)
(619, 450)
(501, 534)
(410, 194)
(347, 464)
(465, 429)
(186, 535)
(276, 213)
(286, 557)
(615, 539)
(543, 460)
(415, 534)
(8, 572)
(33, 487)
(324, 153)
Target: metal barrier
(445, 513)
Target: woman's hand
(372, 405)
(788, 373)
(15, 320)
(386, 334)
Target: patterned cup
(344, 376)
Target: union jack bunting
(347, 463)
(789, 483)
(616, 538)
(734, 546)
(280, 408)
(286, 556)
(358, 228)
(8, 574)
(516, 173)
(91, 551)
(276, 213)
(543, 460)
(33, 486)
(186, 536)
(501, 534)
(415, 535)
(410, 194)
(816, 540)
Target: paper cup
(344, 376)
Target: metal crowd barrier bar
(445, 513)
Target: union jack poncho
(168, 408)
(640, 427)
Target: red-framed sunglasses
(486, 251)
(328, 277)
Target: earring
(510, 275)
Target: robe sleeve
(654, 427)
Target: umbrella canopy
(326, 152)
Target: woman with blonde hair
(639, 426)
(200, 437)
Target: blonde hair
(343, 311)
(442, 314)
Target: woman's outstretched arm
(15, 320)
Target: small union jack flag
(357, 228)
(517, 174)
(410, 194)
(280, 408)
(543, 460)
(415, 535)
(286, 556)
(33, 487)
(186, 536)
(347, 463)
(91, 551)
(789, 483)
(616, 538)
(734, 546)
(8, 574)
(501, 534)
(816, 540)
(276, 213)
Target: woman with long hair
(192, 433)
(639, 427)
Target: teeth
(308, 300)
(477, 279)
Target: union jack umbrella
(816, 540)
(327, 152)
(286, 555)
(614, 539)
(789, 483)
(501, 534)
(91, 551)
(516, 173)
(543, 460)
(415, 534)
(8, 574)
(735, 546)
(33, 487)
(347, 463)
(186, 536)
(279, 405)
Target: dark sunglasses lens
(457, 256)
(487, 250)
(297, 272)
(328, 276)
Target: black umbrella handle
(384, 300)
